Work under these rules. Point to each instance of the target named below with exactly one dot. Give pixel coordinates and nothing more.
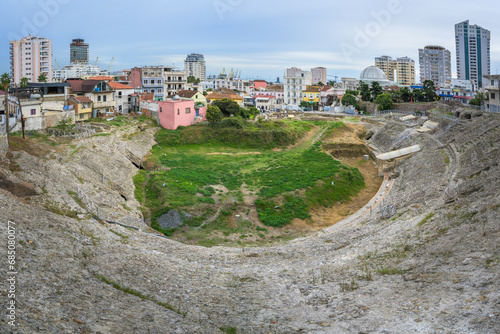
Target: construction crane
(109, 69)
(58, 67)
(96, 61)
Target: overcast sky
(259, 37)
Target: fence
(401, 139)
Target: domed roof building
(373, 73)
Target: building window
(492, 96)
(161, 109)
(33, 111)
(145, 82)
(119, 94)
(82, 116)
(188, 110)
(178, 111)
(98, 98)
(104, 98)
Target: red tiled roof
(116, 85)
(187, 93)
(259, 81)
(218, 96)
(81, 99)
(326, 88)
(101, 77)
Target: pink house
(258, 84)
(175, 113)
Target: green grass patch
(207, 168)
(139, 294)
(426, 219)
(391, 271)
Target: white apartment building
(229, 83)
(30, 57)
(78, 71)
(435, 65)
(195, 66)
(163, 81)
(473, 52)
(295, 81)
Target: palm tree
(42, 78)
(24, 82)
(5, 81)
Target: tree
(304, 104)
(349, 100)
(227, 107)
(478, 99)
(375, 89)
(364, 91)
(193, 79)
(430, 91)
(5, 81)
(253, 112)
(331, 83)
(42, 78)
(418, 95)
(352, 92)
(214, 114)
(320, 84)
(24, 82)
(405, 94)
(384, 101)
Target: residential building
(98, 91)
(401, 70)
(295, 81)
(265, 102)
(312, 94)
(435, 65)
(387, 65)
(197, 97)
(82, 71)
(349, 83)
(43, 105)
(30, 57)
(330, 94)
(279, 95)
(152, 81)
(82, 106)
(174, 80)
(79, 52)
(195, 66)
(123, 101)
(219, 96)
(318, 75)
(175, 113)
(259, 84)
(235, 84)
(473, 52)
(135, 78)
(492, 86)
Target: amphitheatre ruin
(416, 250)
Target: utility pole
(20, 110)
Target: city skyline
(238, 34)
